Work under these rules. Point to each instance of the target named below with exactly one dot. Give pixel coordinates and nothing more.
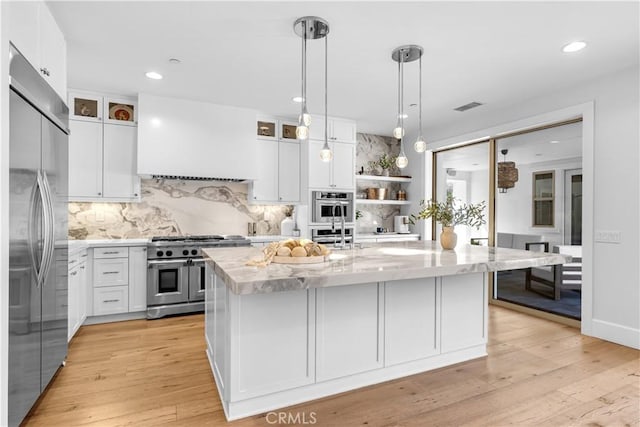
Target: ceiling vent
(468, 106)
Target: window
(543, 199)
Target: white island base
(273, 350)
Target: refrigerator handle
(50, 230)
(31, 229)
(47, 226)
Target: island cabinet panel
(463, 316)
(349, 321)
(272, 346)
(411, 327)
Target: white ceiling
(246, 53)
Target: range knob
(185, 252)
(169, 253)
(194, 252)
(159, 253)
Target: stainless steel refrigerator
(38, 180)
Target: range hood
(193, 140)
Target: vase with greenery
(385, 163)
(450, 213)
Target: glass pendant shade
(420, 145)
(402, 161)
(398, 131)
(326, 154)
(302, 132)
(305, 117)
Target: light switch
(608, 236)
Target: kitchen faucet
(343, 240)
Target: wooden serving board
(298, 259)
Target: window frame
(535, 199)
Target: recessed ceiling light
(153, 75)
(554, 142)
(297, 99)
(574, 47)
(538, 155)
(475, 164)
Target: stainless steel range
(175, 280)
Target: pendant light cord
(326, 68)
(401, 103)
(420, 95)
(304, 70)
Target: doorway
(539, 210)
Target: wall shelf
(382, 202)
(382, 178)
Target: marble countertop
(259, 238)
(109, 242)
(375, 262)
(372, 236)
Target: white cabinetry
(336, 174)
(137, 279)
(119, 280)
(348, 345)
(337, 129)
(77, 294)
(278, 163)
(34, 31)
(110, 281)
(102, 155)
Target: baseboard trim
(108, 318)
(616, 333)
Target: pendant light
(420, 145)
(309, 27)
(507, 173)
(401, 55)
(326, 154)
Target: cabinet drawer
(115, 252)
(110, 272)
(110, 300)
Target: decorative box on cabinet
(102, 148)
(35, 33)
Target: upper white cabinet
(337, 129)
(278, 165)
(34, 31)
(180, 137)
(102, 151)
(336, 174)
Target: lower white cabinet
(348, 344)
(110, 271)
(110, 300)
(137, 279)
(76, 299)
(460, 313)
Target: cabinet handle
(111, 300)
(99, 118)
(99, 194)
(73, 261)
(82, 268)
(110, 252)
(64, 305)
(83, 256)
(73, 273)
(135, 194)
(110, 272)
(144, 249)
(45, 72)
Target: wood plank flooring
(538, 373)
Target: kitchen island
(289, 333)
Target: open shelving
(383, 178)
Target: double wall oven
(176, 272)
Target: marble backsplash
(371, 148)
(179, 207)
(175, 207)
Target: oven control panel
(187, 252)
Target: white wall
(611, 303)
(4, 213)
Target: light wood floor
(537, 373)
